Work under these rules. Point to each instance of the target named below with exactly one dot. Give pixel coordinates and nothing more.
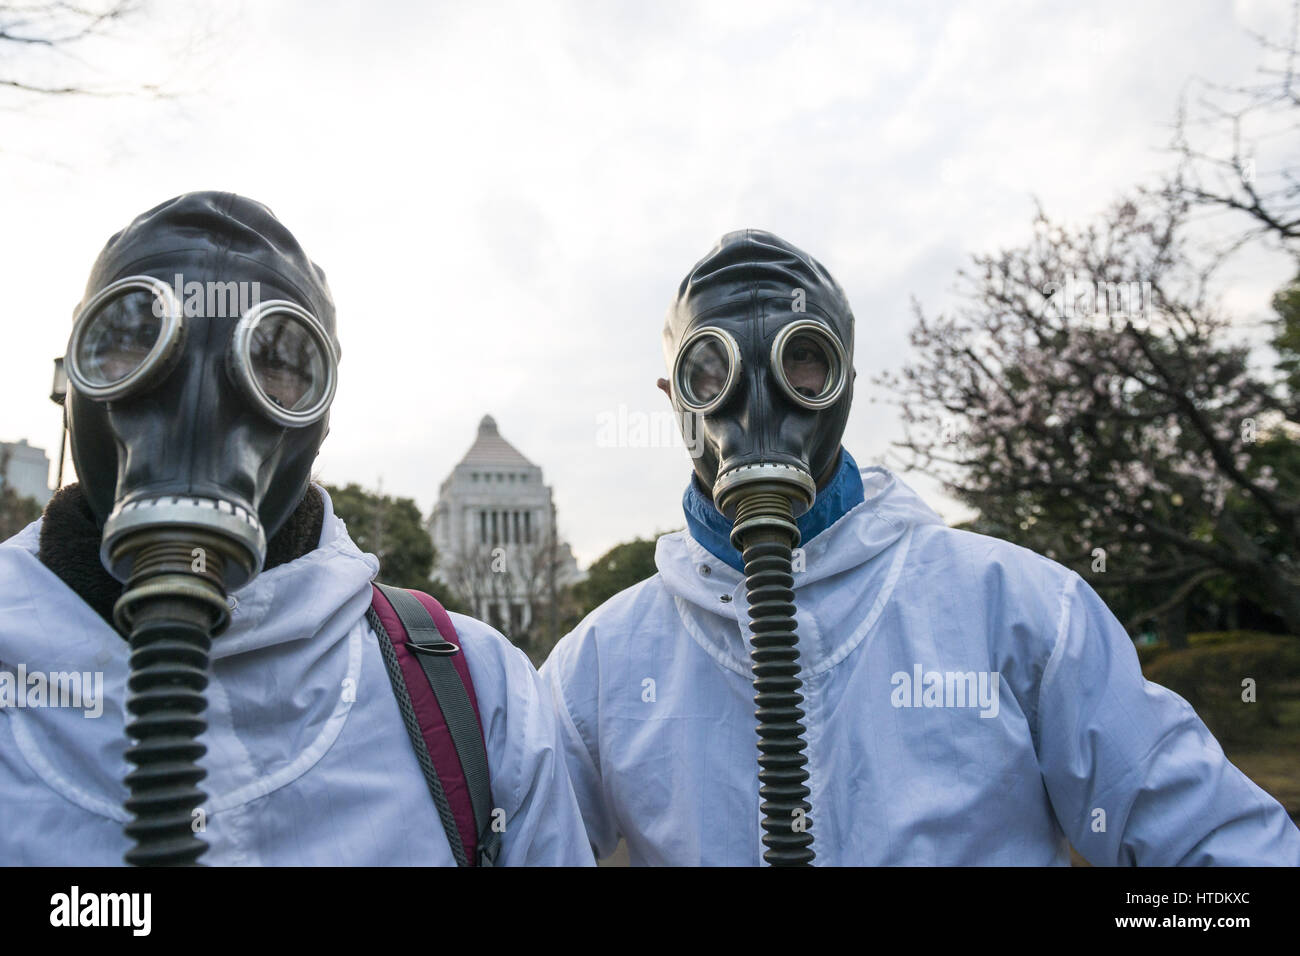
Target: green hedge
(1209, 675)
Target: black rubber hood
(753, 283)
(215, 234)
(193, 434)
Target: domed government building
(495, 532)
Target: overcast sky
(505, 196)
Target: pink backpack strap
(435, 693)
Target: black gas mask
(760, 346)
(202, 365)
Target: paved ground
(618, 857)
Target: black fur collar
(70, 544)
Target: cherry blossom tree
(1085, 398)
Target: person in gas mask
(821, 671)
(264, 729)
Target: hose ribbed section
(171, 610)
(765, 532)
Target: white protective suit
(1037, 725)
(308, 760)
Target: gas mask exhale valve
(759, 343)
(193, 432)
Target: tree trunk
(1261, 574)
(1174, 625)
(1283, 599)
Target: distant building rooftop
(490, 448)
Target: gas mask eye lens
(282, 358)
(287, 362)
(707, 367)
(809, 364)
(806, 365)
(118, 338)
(705, 371)
(124, 338)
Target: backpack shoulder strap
(435, 694)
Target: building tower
(495, 533)
(25, 469)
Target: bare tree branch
(58, 28)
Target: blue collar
(708, 526)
